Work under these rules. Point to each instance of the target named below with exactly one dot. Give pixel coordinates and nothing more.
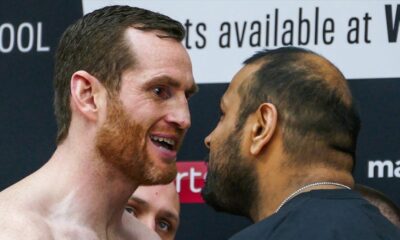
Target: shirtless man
(122, 82)
(157, 207)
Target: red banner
(190, 180)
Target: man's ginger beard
(121, 143)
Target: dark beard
(231, 185)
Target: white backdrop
(372, 56)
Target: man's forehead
(242, 76)
(160, 57)
(155, 190)
(247, 72)
(131, 33)
(164, 193)
(152, 44)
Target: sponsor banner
(24, 37)
(383, 169)
(361, 38)
(190, 180)
(191, 177)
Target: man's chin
(216, 197)
(208, 193)
(160, 174)
(211, 199)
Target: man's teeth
(166, 140)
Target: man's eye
(131, 210)
(164, 226)
(162, 92)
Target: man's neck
(278, 186)
(85, 190)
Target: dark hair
(312, 98)
(96, 44)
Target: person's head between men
(157, 207)
(122, 81)
(287, 119)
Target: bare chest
(70, 231)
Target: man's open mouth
(167, 143)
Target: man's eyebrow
(163, 79)
(139, 200)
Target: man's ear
(263, 127)
(85, 94)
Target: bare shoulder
(16, 224)
(18, 220)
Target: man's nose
(207, 141)
(149, 221)
(180, 115)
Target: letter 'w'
(392, 26)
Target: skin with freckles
(116, 140)
(157, 207)
(154, 95)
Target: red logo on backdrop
(190, 180)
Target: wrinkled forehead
(159, 56)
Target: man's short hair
(96, 44)
(314, 103)
(385, 205)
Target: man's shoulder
(21, 224)
(323, 218)
(19, 217)
(346, 211)
(297, 227)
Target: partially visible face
(151, 112)
(231, 182)
(157, 207)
